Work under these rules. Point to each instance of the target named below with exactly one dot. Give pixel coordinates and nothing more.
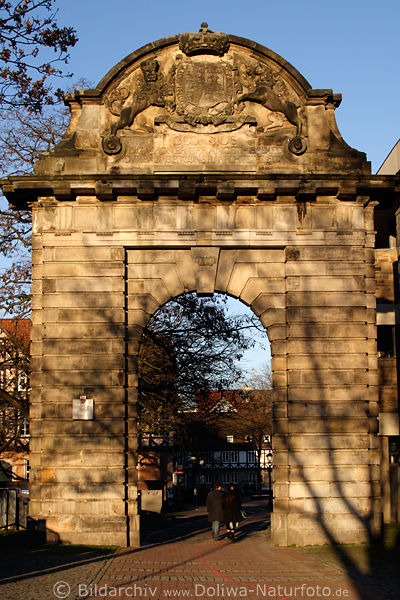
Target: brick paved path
(187, 563)
(182, 560)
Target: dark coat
(215, 505)
(232, 509)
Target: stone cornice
(22, 190)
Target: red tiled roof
(20, 329)
(208, 400)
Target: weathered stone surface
(330, 474)
(323, 361)
(330, 298)
(86, 284)
(82, 300)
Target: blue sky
(350, 46)
(258, 358)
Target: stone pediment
(202, 102)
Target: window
(248, 438)
(229, 438)
(266, 438)
(22, 381)
(385, 341)
(25, 428)
(182, 457)
(394, 449)
(231, 456)
(207, 457)
(234, 456)
(251, 456)
(26, 468)
(229, 477)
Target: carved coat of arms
(199, 94)
(205, 94)
(204, 91)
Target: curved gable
(203, 102)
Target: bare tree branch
(28, 30)
(190, 344)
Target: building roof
(225, 400)
(391, 164)
(19, 329)
(221, 400)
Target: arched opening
(204, 404)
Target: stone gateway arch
(203, 162)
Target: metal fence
(13, 509)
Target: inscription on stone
(191, 149)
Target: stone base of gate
(339, 528)
(86, 519)
(96, 531)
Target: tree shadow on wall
(352, 461)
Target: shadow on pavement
(21, 560)
(168, 528)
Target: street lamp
(270, 465)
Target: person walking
(215, 504)
(232, 511)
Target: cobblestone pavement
(32, 573)
(182, 560)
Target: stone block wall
(327, 474)
(78, 348)
(101, 269)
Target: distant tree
(158, 402)
(29, 34)
(189, 344)
(20, 147)
(253, 418)
(14, 388)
